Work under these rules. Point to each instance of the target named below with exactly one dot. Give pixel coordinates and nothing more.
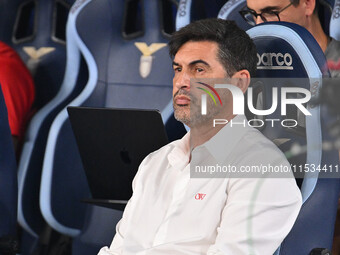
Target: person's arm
(258, 215)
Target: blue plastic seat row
(128, 66)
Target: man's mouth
(182, 100)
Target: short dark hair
(236, 51)
(297, 2)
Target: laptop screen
(112, 144)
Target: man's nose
(258, 20)
(183, 81)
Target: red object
(200, 196)
(18, 88)
(332, 65)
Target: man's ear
(309, 6)
(243, 79)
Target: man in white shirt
(171, 213)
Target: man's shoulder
(255, 137)
(255, 145)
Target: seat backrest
(334, 25)
(290, 51)
(191, 10)
(325, 13)
(38, 35)
(52, 65)
(8, 176)
(230, 11)
(8, 10)
(128, 68)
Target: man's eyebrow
(192, 63)
(175, 63)
(199, 61)
(266, 9)
(270, 8)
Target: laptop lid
(112, 144)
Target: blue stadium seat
(8, 10)
(52, 65)
(334, 26)
(191, 10)
(329, 14)
(38, 36)
(230, 11)
(314, 226)
(325, 13)
(8, 179)
(129, 67)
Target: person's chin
(182, 117)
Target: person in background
(18, 89)
(301, 12)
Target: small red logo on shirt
(200, 196)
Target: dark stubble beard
(190, 114)
(182, 112)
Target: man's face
(193, 60)
(294, 14)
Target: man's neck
(315, 28)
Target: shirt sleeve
(105, 251)
(258, 215)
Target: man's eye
(199, 70)
(269, 14)
(177, 69)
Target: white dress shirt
(171, 213)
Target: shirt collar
(181, 152)
(219, 146)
